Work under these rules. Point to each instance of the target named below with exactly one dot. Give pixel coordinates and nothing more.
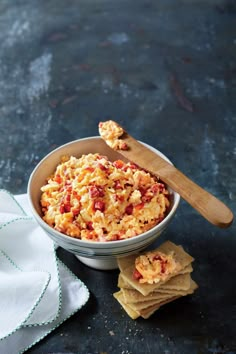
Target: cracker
(134, 296)
(127, 261)
(122, 283)
(187, 269)
(181, 255)
(176, 282)
(130, 312)
(166, 247)
(142, 305)
(137, 301)
(182, 258)
(189, 290)
(141, 299)
(179, 282)
(147, 312)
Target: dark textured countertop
(166, 71)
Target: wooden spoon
(205, 203)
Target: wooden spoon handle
(205, 203)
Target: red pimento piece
(162, 261)
(157, 258)
(89, 169)
(142, 190)
(163, 267)
(62, 208)
(123, 146)
(118, 163)
(137, 275)
(155, 188)
(75, 195)
(75, 211)
(58, 179)
(67, 198)
(67, 208)
(132, 166)
(119, 198)
(91, 235)
(90, 225)
(96, 191)
(161, 187)
(102, 167)
(139, 206)
(68, 185)
(117, 185)
(129, 209)
(99, 205)
(146, 198)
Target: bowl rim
(98, 244)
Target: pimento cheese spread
(92, 198)
(154, 266)
(110, 131)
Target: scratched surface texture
(166, 70)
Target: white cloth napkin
(37, 291)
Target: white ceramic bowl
(99, 255)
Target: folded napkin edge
(44, 288)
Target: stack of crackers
(143, 299)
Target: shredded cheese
(92, 198)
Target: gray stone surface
(166, 71)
